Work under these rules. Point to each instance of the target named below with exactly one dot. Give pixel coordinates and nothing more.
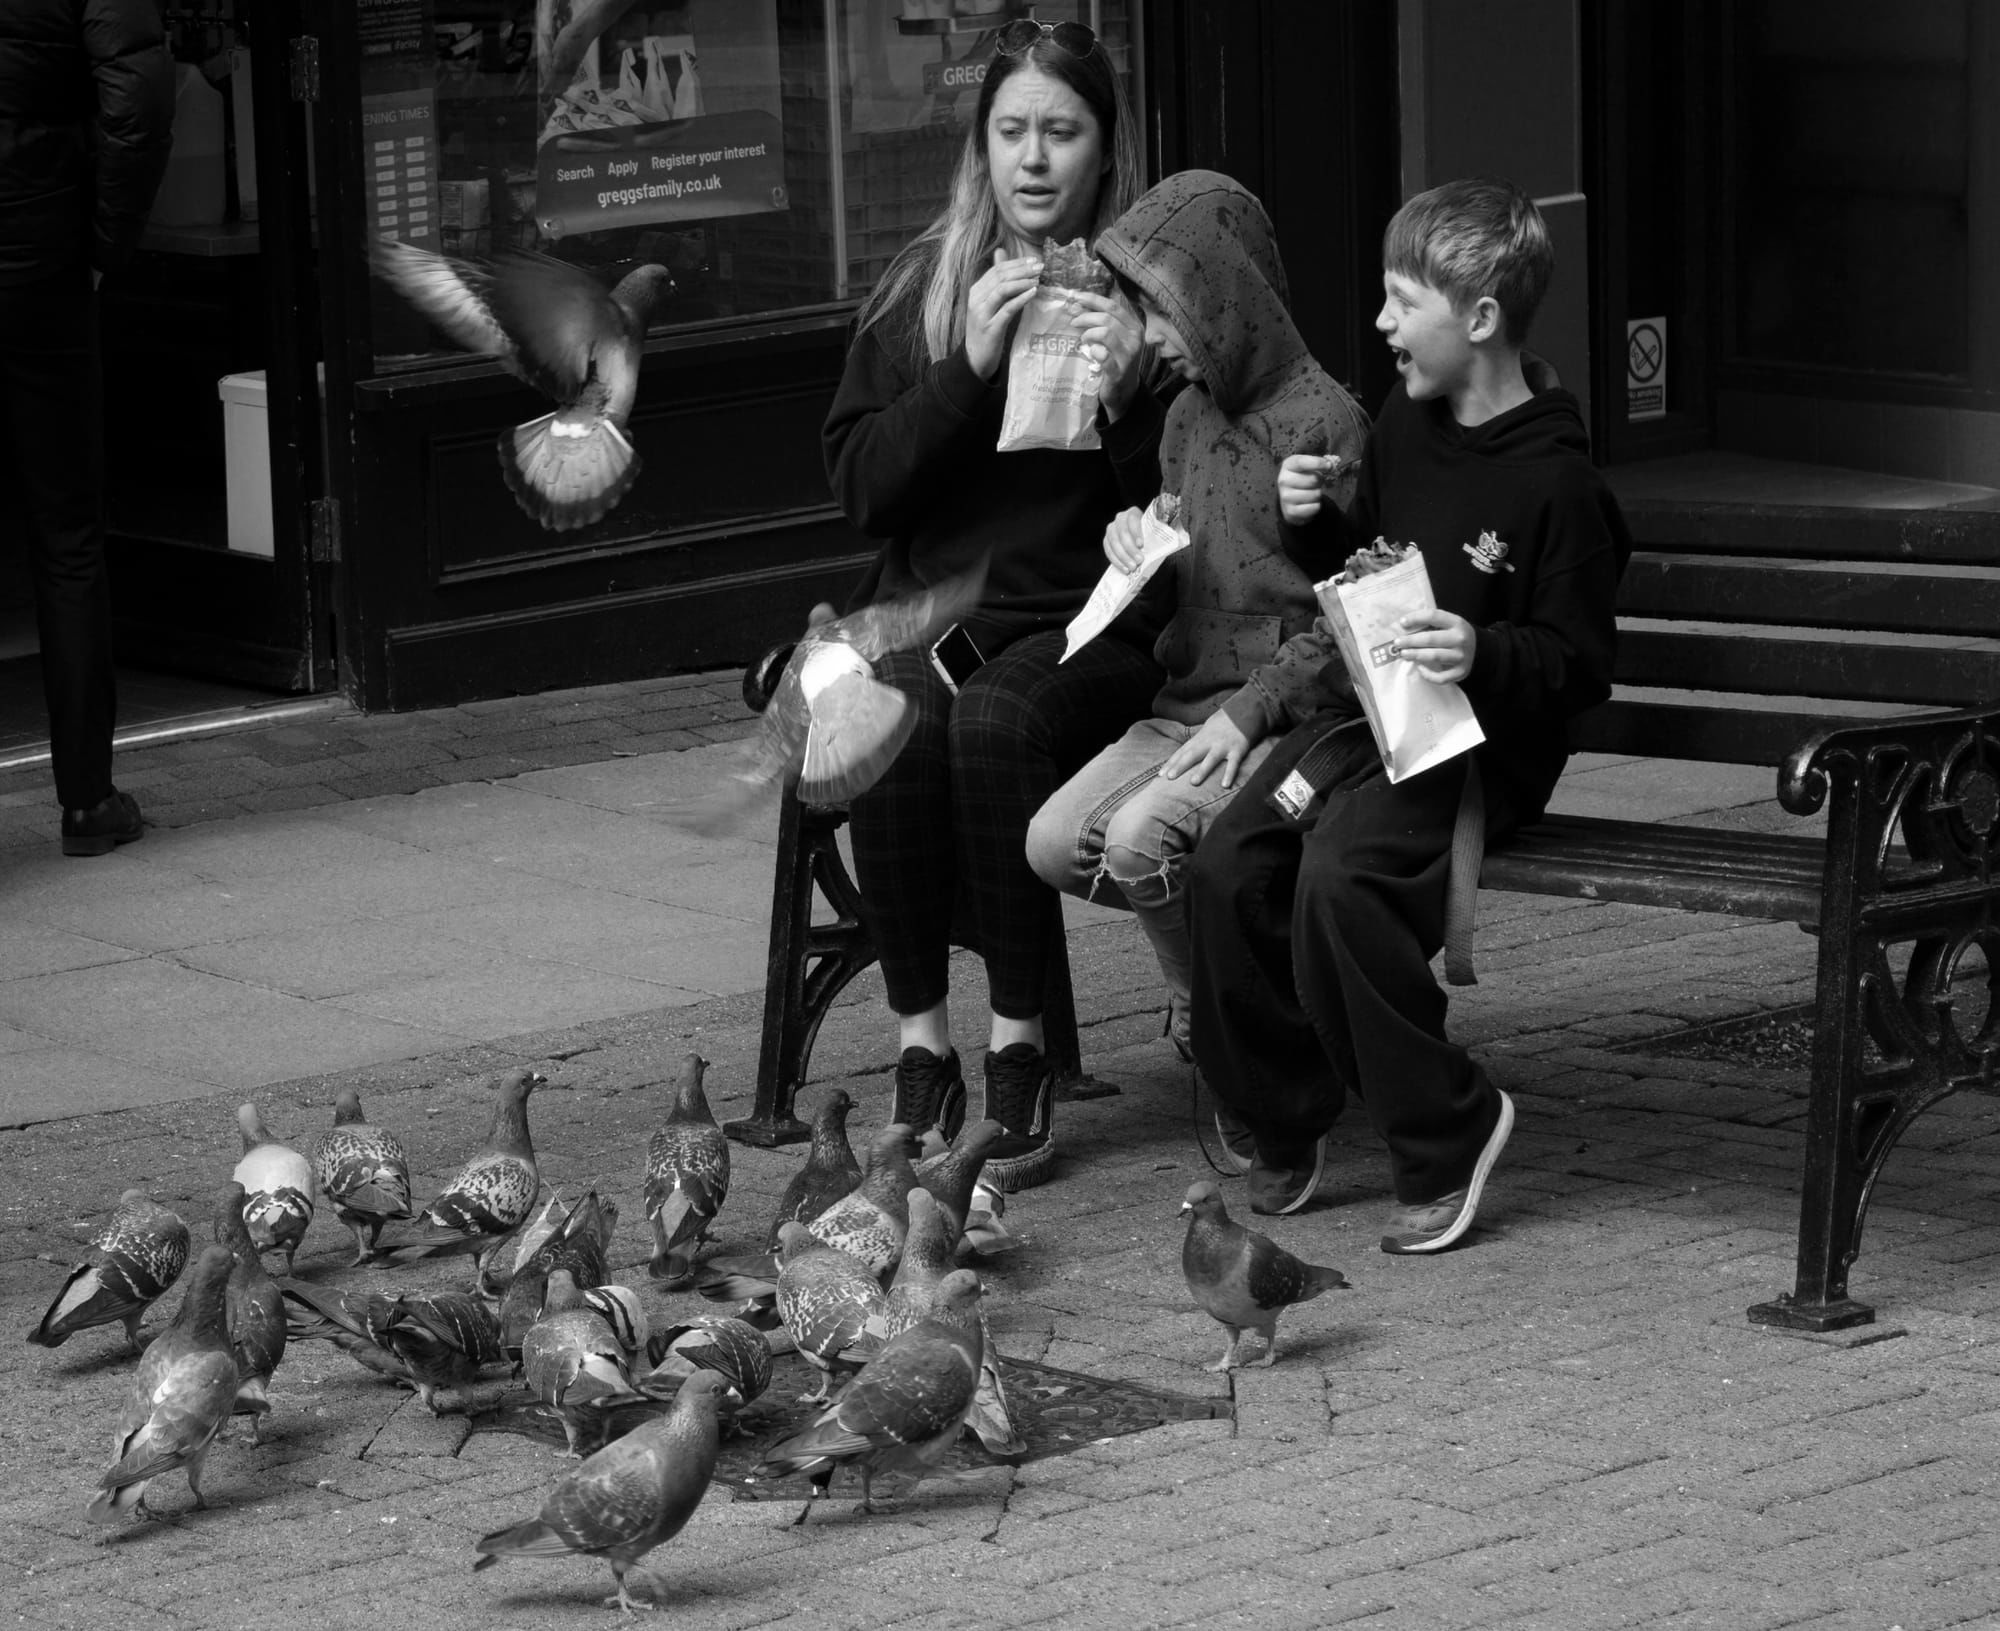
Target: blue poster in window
(639, 127)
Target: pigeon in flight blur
(830, 722)
(555, 326)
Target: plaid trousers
(952, 813)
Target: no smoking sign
(1646, 368)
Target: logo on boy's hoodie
(1489, 555)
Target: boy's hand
(1302, 485)
(1440, 644)
(1123, 545)
(1218, 742)
(1114, 339)
(991, 306)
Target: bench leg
(809, 966)
(1060, 1042)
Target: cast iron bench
(1819, 642)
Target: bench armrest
(1959, 747)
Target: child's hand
(991, 306)
(1440, 644)
(1301, 485)
(1114, 338)
(1123, 540)
(1218, 742)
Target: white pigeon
(555, 326)
(279, 1185)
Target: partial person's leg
(51, 409)
(1369, 919)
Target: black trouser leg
(51, 414)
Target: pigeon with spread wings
(555, 326)
(830, 722)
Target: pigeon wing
(914, 620)
(556, 315)
(452, 294)
(858, 726)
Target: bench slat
(1881, 596)
(1654, 728)
(1808, 663)
(1644, 863)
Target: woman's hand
(1218, 742)
(991, 306)
(1114, 339)
(1124, 540)
(1302, 485)
(1439, 643)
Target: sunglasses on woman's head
(1024, 32)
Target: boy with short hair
(1313, 931)
(1197, 256)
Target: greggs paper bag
(1160, 535)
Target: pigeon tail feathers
(568, 474)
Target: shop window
(773, 154)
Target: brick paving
(1567, 1423)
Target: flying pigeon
(829, 1301)
(183, 1393)
(254, 1311)
(279, 1185)
(580, 1246)
(570, 1357)
(494, 1191)
(632, 1495)
(872, 1221)
(134, 1257)
(552, 324)
(687, 1178)
(830, 723)
(1244, 1279)
(905, 1408)
(364, 1172)
(830, 1170)
(429, 1341)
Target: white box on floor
(246, 442)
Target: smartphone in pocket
(956, 657)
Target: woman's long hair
(924, 290)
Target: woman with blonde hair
(911, 451)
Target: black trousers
(52, 436)
(952, 813)
(1312, 978)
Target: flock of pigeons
(866, 1274)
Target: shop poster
(639, 127)
(399, 133)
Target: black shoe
(111, 821)
(930, 1092)
(1283, 1179)
(1020, 1095)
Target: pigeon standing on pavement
(138, 1253)
(829, 721)
(738, 1352)
(425, 1341)
(952, 1176)
(905, 1408)
(1244, 1280)
(871, 1222)
(364, 1172)
(634, 1494)
(183, 1393)
(555, 326)
(830, 1302)
(254, 1310)
(687, 1177)
(830, 1170)
(571, 1357)
(580, 1246)
(493, 1193)
(507, 1260)
(279, 1185)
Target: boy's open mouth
(1399, 354)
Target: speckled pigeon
(830, 722)
(426, 1341)
(580, 1245)
(905, 1408)
(554, 325)
(687, 1177)
(735, 1350)
(254, 1310)
(137, 1254)
(183, 1392)
(1244, 1279)
(830, 1301)
(364, 1172)
(494, 1191)
(830, 1170)
(570, 1357)
(507, 1259)
(871, 1222)
(279, 1187)
(632, 1495)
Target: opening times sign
(688, 170)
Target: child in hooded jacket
(1198, 257)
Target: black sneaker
(1239, 1147)
(930, 1092)
(1020, 1095)
(111, 821)
(1284, 1178)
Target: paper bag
(1051, 384)
(1160, 535)
(1417, 722)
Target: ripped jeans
(1117, 832)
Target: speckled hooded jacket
(1201, 249)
